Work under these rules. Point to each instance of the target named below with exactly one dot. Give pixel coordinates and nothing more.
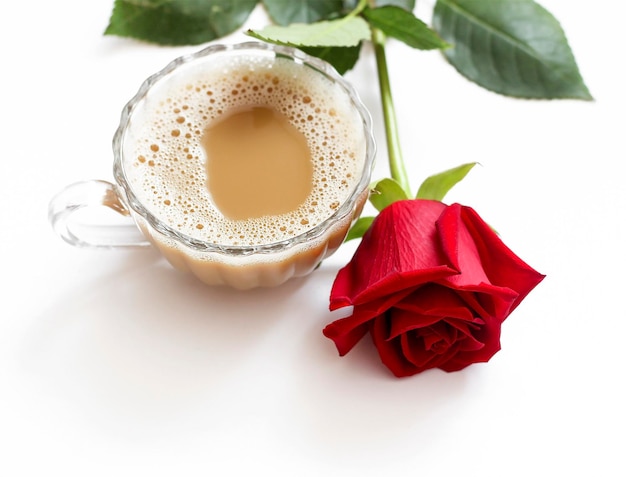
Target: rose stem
(396, 164)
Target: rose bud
(431, 284)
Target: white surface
(111, 363)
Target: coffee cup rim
(346, 208)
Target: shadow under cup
(246, 261)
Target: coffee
(244, 151)
(258, 164)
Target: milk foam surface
(165, 162)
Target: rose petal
(502, 266)
(345, 335)
(482, 256)
(489, 300)
(404, 318)
(468, 342)
(438, 336)
(489, 335)
(399, 251)
(459, 245)
(436, 300)
(347, 332)
(390, 351)
(376, 306)
(402, 321)
(414, 351)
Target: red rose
(432, 284)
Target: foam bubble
(165, 162)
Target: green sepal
(385, 192)
(437, 186)
(359, 228)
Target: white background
(112, 363)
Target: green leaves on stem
(512, 47)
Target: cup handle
(90, 230)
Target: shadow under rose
(352, 407)
(356, 413)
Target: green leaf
(285, 12)
(178, 22)
(513, 47)
(347, 31)
(404, 26)
(437, 186)
(406, 4)
(385, 192)
(343, 58)
(359, 228)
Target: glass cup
(76, 212)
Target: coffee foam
(165, 162)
